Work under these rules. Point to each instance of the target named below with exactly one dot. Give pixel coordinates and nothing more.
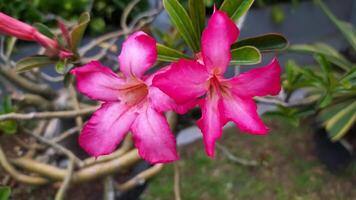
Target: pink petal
(243, 111)
(217, 39)
(138, 54)
(184, 81)
(106, 129)
(153, 137)
(258, 82)
(211, 122)
(97, 81)
(162, 102)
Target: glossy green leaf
(268, 42)
(44, 30)
(78, 31)
(168, 54)
(29, 63)
(341, 122)
(345, 28)
(197, 14)
(330, 54)
(183, 23)
(5, 193)
(236, 8)
(246, 55)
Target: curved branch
(47, 115)
(32, 180)
(140, 178)
(40, 89)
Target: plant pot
(336, 156)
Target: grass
(289, 170)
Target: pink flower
(130, 103)
(13, 27)
(224, 99)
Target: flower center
(133, 93)
(218, 86)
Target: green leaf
(44, 30)
(29, 63)
(197, 14)
(167, 54)
(268, 42)
(8, 127)
(78, 31)
(236, 8)
(5, 193)
(327, 113)
(183, 23)
(345, 28)
(60, 67)
(246, 55)
(330, 54)
(341, 122)
(325, 100)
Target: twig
(75, 103)
(241, 161)
(125, 147)
(66, 134)
(177, 195)
(140, 178)
(148, 14)
(32, 180)
(32, 99)
(84, 174)
(56, 146)
(51, 78)
(83, 50)
(62, 190)
(48, 115)
(126, 13)
(40, 89)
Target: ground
(289, 170)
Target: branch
(75, 104)
(47, 115)
(65, 134)
(177, 195)
(40, 89)
(56, 146)
(83, 175)
(125, 147)
(140, 178)
(32, 180)
(233, 158)
(62, 190)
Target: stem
(40, 89)
(32, 180)
(47, 115)
(177, 195)
(58, 147)
(62, 190)
(140, 178)
(241, 161)
(73, 94)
